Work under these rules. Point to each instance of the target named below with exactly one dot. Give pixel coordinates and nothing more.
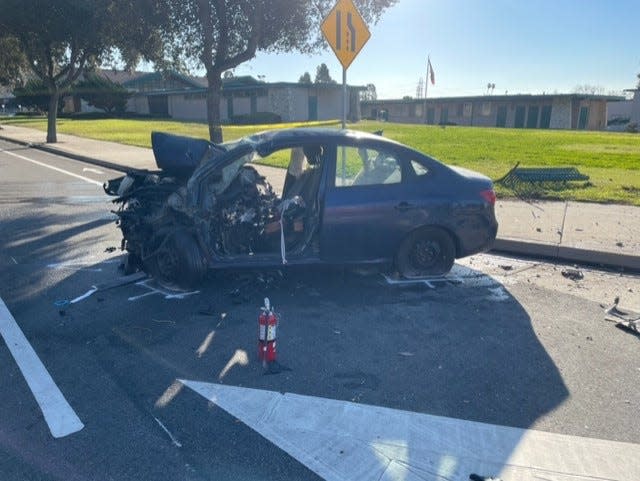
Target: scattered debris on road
(121, 281)
(626, 320)
(573, 274)
(477, 477)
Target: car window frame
(398, 152)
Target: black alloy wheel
(426, 252)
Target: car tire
(425, 252)
(178, 261)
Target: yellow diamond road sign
(345, 31)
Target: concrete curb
(501, 245)
(566, 254)
(71, 155)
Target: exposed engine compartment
(161, 231)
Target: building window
(468, 108)
(486, 108)
(459, 110)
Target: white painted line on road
(57, 169)
(58, 414)
(157, 289)
(340, 440)
(174, 441)
(91, 169)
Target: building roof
(120, 76)
(497, 98)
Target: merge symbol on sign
(346, 31)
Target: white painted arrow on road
(60, 417)
(340, 441)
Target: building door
(501, 118)
(518, 123)
(583, 119)
(532, 117)
(229, 107)
(158, 105)
(254, 103)
(431, 115)
(545, 117)
(313, 107)
(444, 116)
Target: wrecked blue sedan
(347, 197)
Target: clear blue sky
(522, 46)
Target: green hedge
(256, 119)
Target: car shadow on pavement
(463, 348)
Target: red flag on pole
(432, 76)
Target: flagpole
(426, 86)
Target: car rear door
(369, 205)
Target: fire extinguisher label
(271, 333)
(263, 330)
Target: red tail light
(489, 196)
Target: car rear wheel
(178, 261)
(428, 251)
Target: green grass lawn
(611, 159)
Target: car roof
(319, 134)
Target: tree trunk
(52, 136)
(214, 95)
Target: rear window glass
(419, 169)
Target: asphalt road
(514, 344)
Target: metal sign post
(345, 30)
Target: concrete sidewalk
(601, 234)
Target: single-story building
(554, 111)
(622, 114)
(182, 97)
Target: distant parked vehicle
(349, 197)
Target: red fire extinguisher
(267, 324)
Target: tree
(33, 94)
(101, 93)
(370, 93)
(323, 76)
(221, 34)
(60, 39)
(305, 78)
(13, 63)
(588, 89)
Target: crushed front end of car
(202, 203)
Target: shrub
(103, 94)
(256, 119)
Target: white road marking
(174, 441)
(90, 292)
(57, 169)
(91, 169)
(157, 289)
(58, 414)
(341, 440)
